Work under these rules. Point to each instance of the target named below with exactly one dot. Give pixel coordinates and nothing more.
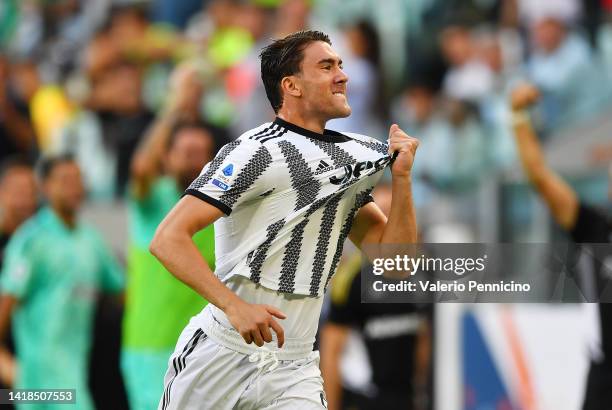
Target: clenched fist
(524, 96)
(405, 147)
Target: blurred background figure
(397, 340)
(18, 200)
(18, 197)
(158, 306)
(556, 66)
(16, 132)
(586, 224)
(54, 267)
(362, 65)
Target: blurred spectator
(293, 15)
(104, 135)
(55, 32)
(176, 13)
(16, 132)
(17, 203)
(532, 12)
(53, 268)
(564, 68)
(17, 197)
(397, 339)
(453, 155)
(501, 51)
(468, 78)
(361, 64)
(158, 306)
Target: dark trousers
(599, 388)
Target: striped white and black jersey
(290, 196)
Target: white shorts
(213, 368)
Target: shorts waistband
(230, 338)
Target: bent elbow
(156, 244)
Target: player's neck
(311, 124)
(68, 217)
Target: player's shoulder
(361, 137)
(260, 135)
(27, 233)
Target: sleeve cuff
(214, 202)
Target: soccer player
(284, 197)
(53, 269)
(584, 223)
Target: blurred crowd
(112, 83)
(90, 78)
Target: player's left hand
(406, 147)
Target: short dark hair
(48, 164)
(283, 58)
(11, 163)
(182, 125)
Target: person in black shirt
(584, 223)
(397, 341)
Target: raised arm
(175, 249)
(185, 92)
(558, 195)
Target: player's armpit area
(368, 226)
(190, 215)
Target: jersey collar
(52, 221)
(327, 136)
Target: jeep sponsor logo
(354, 170)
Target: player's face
(191, 150)
(323, 83)
(64, 187)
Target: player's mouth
(339, 93)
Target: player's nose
(341, 77)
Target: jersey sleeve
(234, 176)
(18, 269)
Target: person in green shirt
(158, 306)
(54, 267)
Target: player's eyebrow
(330, 61)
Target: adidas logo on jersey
(323, 167)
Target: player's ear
(291, 86)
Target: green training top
(55, 272)
(158, 306)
